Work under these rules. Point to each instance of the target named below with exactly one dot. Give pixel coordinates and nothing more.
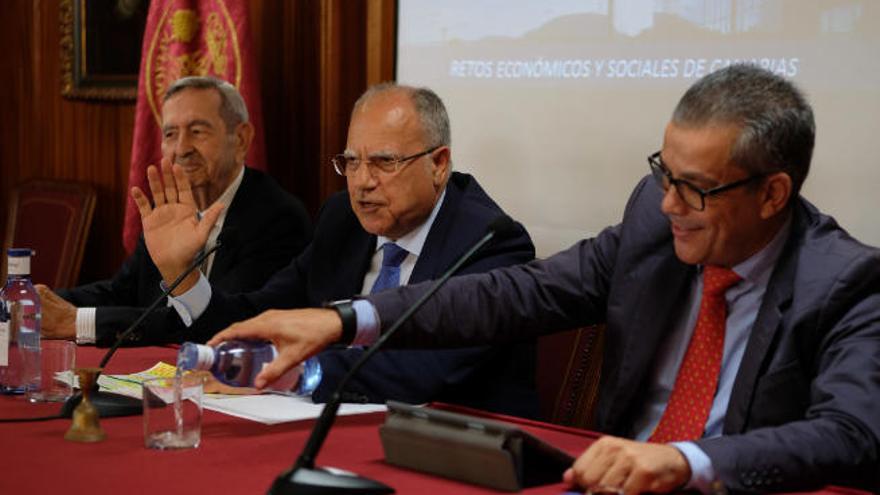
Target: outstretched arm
(172, 230)
(297, 334)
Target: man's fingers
(155, 185)
(184, 188)
(615, 477)
(169, 182)
(638, 482)
(209, 218)
(47, 295)
(589, 469)
(275, 369)
(141, 201)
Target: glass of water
(173, 412)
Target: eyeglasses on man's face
(693, 196)
(346, 165)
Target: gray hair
(777, 130)
(429, 106)
(233, 110)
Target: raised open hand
(172, 230)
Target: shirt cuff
(702, 472)
(85, 326)
(368, 324)
(192, 303)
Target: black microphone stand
(109, 404)
(304, 477)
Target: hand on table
(618, 465)
(172, 230)
(297, 334)
(58, 315)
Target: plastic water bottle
(236, 362)
(20, 327)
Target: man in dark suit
(206, 131)
(743, 326)
(401, 195)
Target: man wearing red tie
(742, 325)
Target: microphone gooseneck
(121, 405)
(303, 475)
(128, 331)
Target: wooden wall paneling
(289, 82)
(381, 40)
(15, 37)
(314, 58)
(303, 88)
(355, 39)
(56, 138)
(339, 67)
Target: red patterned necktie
(694, 390)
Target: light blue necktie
(389, 274)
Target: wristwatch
(349, 319)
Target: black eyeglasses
(692, 195)
(346, 165)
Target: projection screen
(555, 104)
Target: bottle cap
(19, 261)
(206, 357)
(194, 356)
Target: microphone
(304, 477)
(110, 404)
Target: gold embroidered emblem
(187, 42)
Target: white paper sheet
(266, 408)
(272, 409)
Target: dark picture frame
(101, 48)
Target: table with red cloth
(236, 456)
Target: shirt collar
(414, 240)
(758, 267)
(227, 197)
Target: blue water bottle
(236, 363)
(19, 327)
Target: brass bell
(86, 427)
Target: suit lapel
(632, 346)
(767, 325)
(435, 255)
(236, 214)
(358, 251)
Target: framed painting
(101, 48)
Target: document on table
(272, 409)
(266, 408)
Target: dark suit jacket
(803, 410)
(265, 228)
(333, 267)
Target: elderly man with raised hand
(405, 218)
(206, 132)
(742, 345)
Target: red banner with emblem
(189, 38)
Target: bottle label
(4, 343)
(19, 265)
